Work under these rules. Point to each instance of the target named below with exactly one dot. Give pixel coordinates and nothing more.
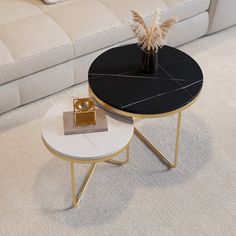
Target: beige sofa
(47, 48)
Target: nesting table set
(125, 92)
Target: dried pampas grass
(151, 38)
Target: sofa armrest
(222, 15)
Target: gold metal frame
(76, 197)
(119, 163)
(156, 151)
(141, 135)
(82, 161)
(135, 115)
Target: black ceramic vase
(149, 61)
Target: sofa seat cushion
(35, 36)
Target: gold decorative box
(84, 111)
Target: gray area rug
(143, 197)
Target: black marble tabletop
(116, 79)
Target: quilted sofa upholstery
(47, 48)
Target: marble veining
(131, 76)
(176, 83)
(90, 141)
(161, 94)
(175, 62)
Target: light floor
(142, 198)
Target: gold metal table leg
(156, 151)
(116, 162)
(76, 197)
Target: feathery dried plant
(151, 38)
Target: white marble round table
(85, 148)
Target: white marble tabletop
(88, 146)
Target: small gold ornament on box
(84, 111)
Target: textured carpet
(142, 198)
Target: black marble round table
(117, 82)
